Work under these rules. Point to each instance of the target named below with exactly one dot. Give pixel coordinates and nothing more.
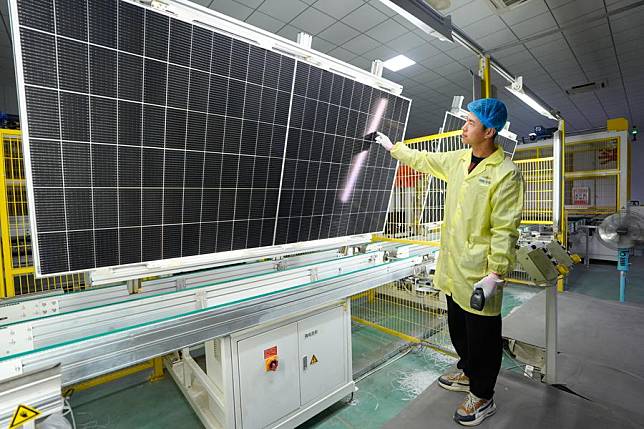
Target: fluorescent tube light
(517, 90)
(423, 16)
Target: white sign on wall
(581, 196)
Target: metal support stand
(551, 334)
(376, 67)
(157, 370)
(622, 267)
(39, 390)
(133, 286)
(587, 257)
(587, 229)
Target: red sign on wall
(270, 352)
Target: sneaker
(474, 410)
(456, 381)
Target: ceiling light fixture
(423, 16)
(398, 62)
(516, 88)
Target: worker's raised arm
(434, 163)
(505, 217)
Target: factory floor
(601, 280)
(135, 403)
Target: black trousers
(477, 340)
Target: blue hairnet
(490, 111)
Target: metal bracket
(314, 273)
(304, 39)
(376, 68)
(281, 265)
(10, 368)
(481, 70)
(200, 299)
(16, 338)
(362, 248)
(377, 258)
(156, 4)
(517, 85)
(399, 252)
(133, 285)
(181, 283)
(457, 104)
(29, 309)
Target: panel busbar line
(150, 138)
(336, 182)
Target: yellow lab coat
(482, 217)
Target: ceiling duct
(506, 5)
(587, 87)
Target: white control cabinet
(274, 375)
(313, 369)
(266, 396)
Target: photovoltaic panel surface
(150, 138)
(335, 182)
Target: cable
(67, 406)
(67, 409)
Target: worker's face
(474, 132)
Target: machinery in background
(595, 170)
(585, 240)
(9, 121)
(622, 231)
(276, 375)
(540, 133)
(545, 264)
(530, 235)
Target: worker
(477, 249)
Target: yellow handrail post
(619, 167)
(7, 261)
(486, 83)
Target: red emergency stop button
(271, 363)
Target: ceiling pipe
(423, 16)
(461, 38)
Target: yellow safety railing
(592, 174)
(418, 199)
(537, 176)
(537, 200)
(592, 169)
(406, 312)
(18, 274)
(522, 153)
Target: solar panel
(335, 182)
(149, 138)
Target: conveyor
(116, 330)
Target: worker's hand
(489, 284)
(384, 141)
